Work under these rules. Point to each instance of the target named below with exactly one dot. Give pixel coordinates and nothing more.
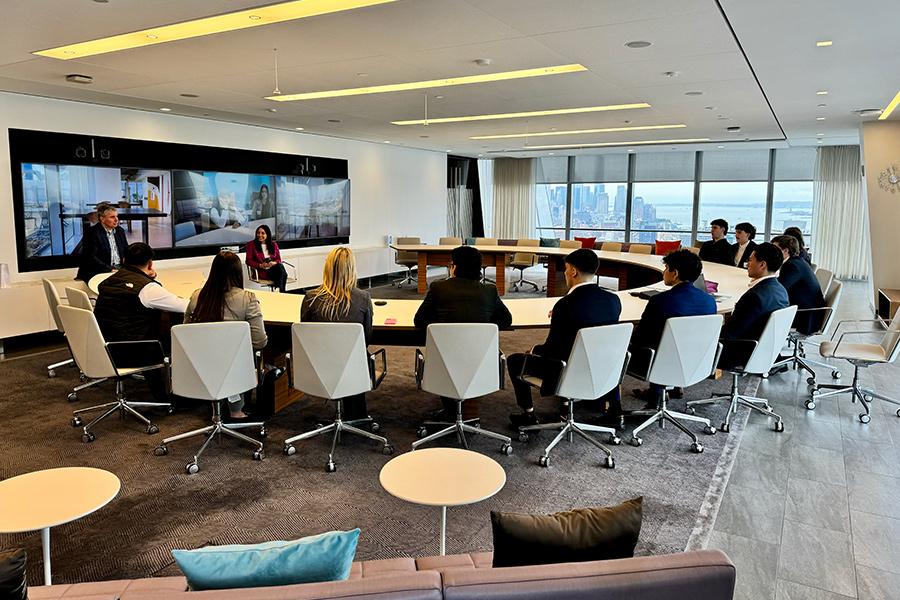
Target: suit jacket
(749, 318)
(360, 311)
(682, 300)
(240, 305)
(717, 251)
(255, 257)
(585, 306)
(751, 246)
(459, 300)
(96, 256)
(803, 289)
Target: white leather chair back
(461, 360)
(450, 241)
(329, 360)
(825, 278)
(212, 361)
(405, 256)
(891, 340)
(771, 341)
(687, 350)
(53, 301)
(595, 362)
(86, 342)
(79, 299)
(832, 301)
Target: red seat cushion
(664, 247)
(586, 242)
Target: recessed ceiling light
(78, 78)
(576, 131)
(694, 93)
(820, 118)
(433, 83)
(298, 128)
(521, 115)
(272, 110)
(821, 105)
(243, 19)
(820, 142)
(631, 149)
(720, 147)
(101, 1)
(608, 144)
(387, 141)
(824, 43)
(362, 74)
(710, 107)
(820, 135)
(551, 153)
(334, 120)
(483, 62)
(822, 93)
(150, 36)
(189, 95)
(671, 73)
(481, 155)
(164, 109)
(438, 97)
(890, 107)
(638, 44)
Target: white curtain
(513, 198)
(840, 214)
(486, 185)
(459, 212)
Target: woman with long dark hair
(263, 207)
(264, 256)
(223, 298)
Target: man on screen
(103, 245)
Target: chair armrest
(142, 355)
(846, 333)
(532, 356)
(377, 377)
(293, 274)
(419, 368)
(260, 367)
(715, 366)
(736, 342)
(643, 351)
(290, 370)
(837, 327)
(502, 362)
(625, 366)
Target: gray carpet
(237, 500)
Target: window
(792, 194)
(661, 207)
(550, 206)
(734, 201)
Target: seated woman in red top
(263, 255)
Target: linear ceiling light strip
(577, 132)
(604, 144)
(245, 19)
(890, 108)
(524, 115)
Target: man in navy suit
(802, 287)
(585, 305)
(103, 245)
(683, 267)
(752, 310)
(717, 250)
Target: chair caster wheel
(835, 374)
(263, 433)
(289, 450)
(898, 412)
(51, 373)
(765, 375)
(422, 432)
(82, 377)
(259, 455)
(697, 448)
(615, 440)
(170, 410)
(523, 437)
(76, 422)
(374, 427)
(868, 398)
(506, 449)
(636, 441)
(779, 426)
(192, 468)
(72, 397)
(609, 463)
(811, 380)
(152, 429)
(387, 450)
(544, 461)
(724, 427)
(810, 405)
(161, 450)
(864, 418)
(88, 437)
(690, 410)
(330, 468)
(709, 430)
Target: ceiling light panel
(890, 107)
(433, 83)
(577, 132)
(244, 19)
(524, 115)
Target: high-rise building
(619, 207)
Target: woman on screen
(339, 300)
(264, 256)
(223, 298)
(223, 213)
(263, 206)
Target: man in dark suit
(744, 234)
(103, 245)
(802, 287)
(752, 310)
(717, 250)
(462, 299)
(585, 305)
(682, 268)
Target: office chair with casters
(640, 248)
(522, 261)
(253, 275)
(762, 356)
(825, 278)
(460, 362)
(99, 359)
(595, 366)
(54, 302)
(79, 298)
(796, 340)
(486, 242)
(860, 355)
(212, 362)
(687, 353)
(406, 259)
(611, 246)
(330, 360)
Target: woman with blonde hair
(338, 300)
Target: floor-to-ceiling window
(733, 186)
(551, 197)
(792, 193)
(599, 196)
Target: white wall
(394, 190)
(879, 150)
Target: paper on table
(390, 321)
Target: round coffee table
(442, 477)
(44, 499)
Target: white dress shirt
(740, 253)
(755, 281)
(579, 285)
(158, 297)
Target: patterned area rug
(237, 500)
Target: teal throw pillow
(469, 241)
(323, 557)
(549, 242)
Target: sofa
(700, 575)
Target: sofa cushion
(576, 535)
(550, 242)
(664, 247)
(12, 574)
(323, 557)
(108, 589)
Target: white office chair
(330, 360)
(824, 277)
(595, 366)
(212, 362)
(54, 302)
(859, 355)
(762, 357)
(796, 340)
(461, 362)
(98, 359)
(79, 299)
(407, 259)
(688, 352)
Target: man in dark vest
(130, 305)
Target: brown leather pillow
(578, 535)
(12, 575)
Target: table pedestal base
(443, 531)
(45, 543)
